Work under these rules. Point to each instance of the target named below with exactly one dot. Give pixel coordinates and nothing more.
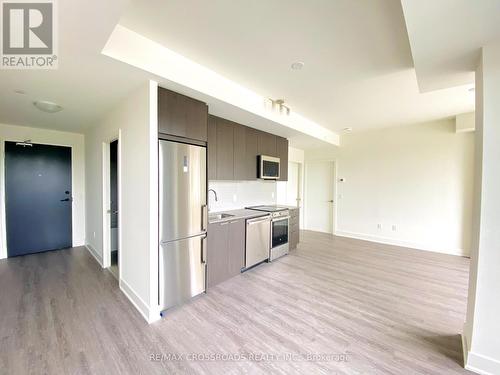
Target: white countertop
(237, 214)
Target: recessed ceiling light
(46, 106)
(347, 130)
(297, 65)
(20, 92)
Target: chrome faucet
(215, 193)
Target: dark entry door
(38, 198)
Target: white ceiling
(446, 37)
(86, 84)
(358, 66)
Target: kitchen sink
(218, 216)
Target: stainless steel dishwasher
(258, 240)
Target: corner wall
(418, 178)
(134, 122)
(49, 137)
(482, 327)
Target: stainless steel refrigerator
(183, 222)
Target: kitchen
(198, 152)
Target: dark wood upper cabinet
(212, 147)
(181, 116)
(225, 149)
(239, 152)
(282, 152)
(233, 150)
(267, 144)
(251, 153)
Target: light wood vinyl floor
(389, 310)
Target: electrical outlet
(394, 228)
(379, 226)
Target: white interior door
(293, 196)
(319, 196)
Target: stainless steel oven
(279, 234)
(269, 167)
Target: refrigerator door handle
(204, 249)
(204, 217)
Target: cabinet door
(294, 228)
(181, 116)
(294, 239)
(282, 151)
(239, 152)
(225, 150)
(236, 248)
(217, 248)
(252, 151)
(267, 144)
(212, 148)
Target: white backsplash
(239, 194)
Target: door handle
(330, 201)
(67, 200)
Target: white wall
(233, 195)
(482, 327)
(51, 137)
(134, 120)
(418, 178)
(295, 155)
(465, 122)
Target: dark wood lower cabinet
(225, 251)
(236, 256)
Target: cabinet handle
(236, 221)
(225, 223)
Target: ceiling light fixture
(347, 130)
(20, 92)
(297, 65)
(278, 106)
(48, 107)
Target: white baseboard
(480, 364)
(395, 242)
(148, 314)
(94, 253)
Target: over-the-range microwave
(269, 167)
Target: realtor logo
(28, 34)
